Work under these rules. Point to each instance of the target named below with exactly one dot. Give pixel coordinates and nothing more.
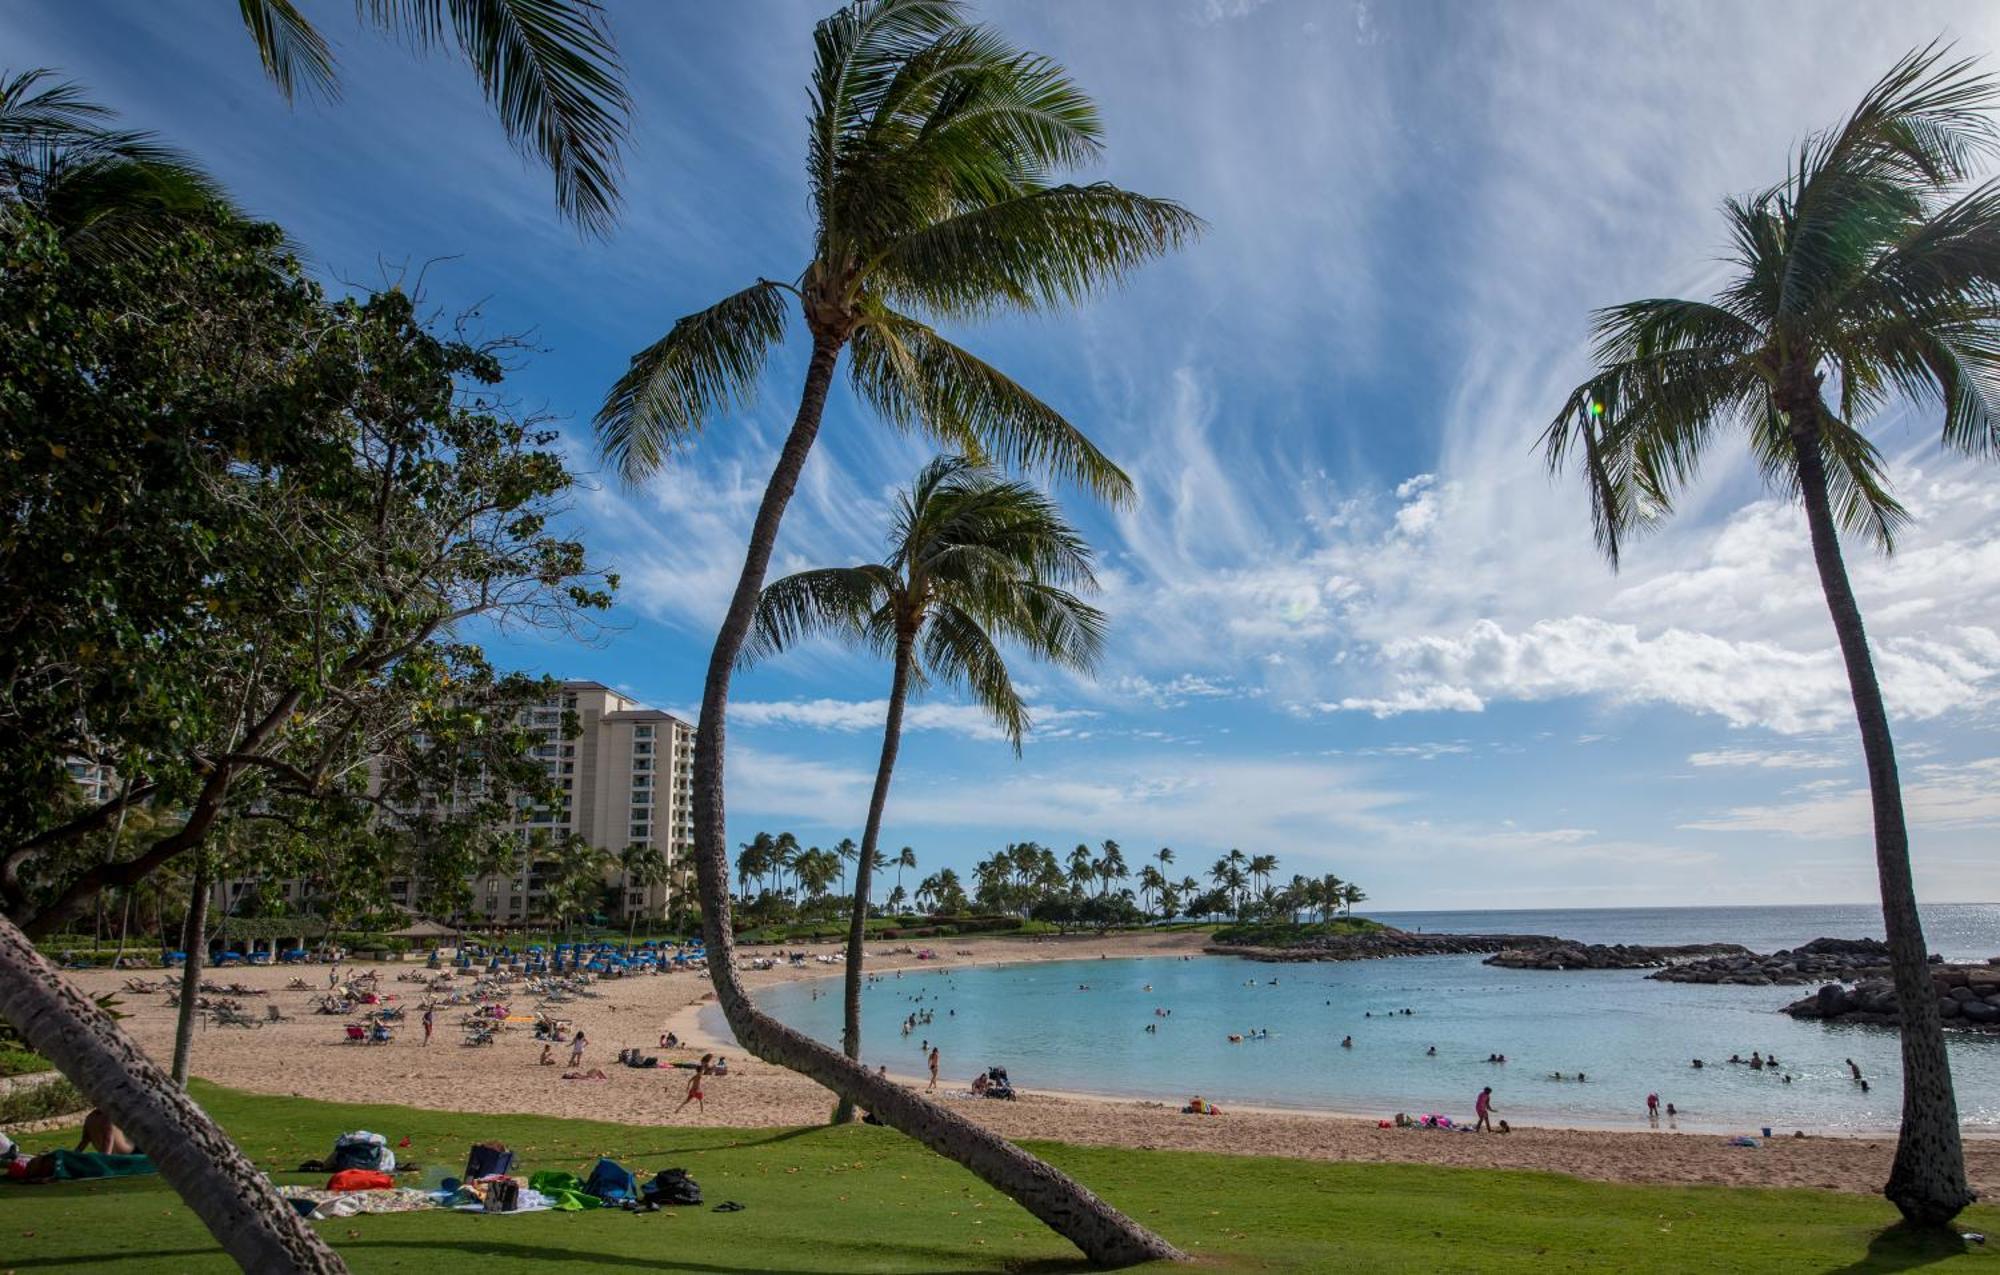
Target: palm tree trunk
(1105, 1235)
(857, 930)
(194, 942)
(1927, 1180)
(229, 1194)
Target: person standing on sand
(694, 1087)
(1483, 1106)
(430, 1023)
(932, 1088)
(576, 1048)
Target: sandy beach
(308, 1056)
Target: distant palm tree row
(1028, 878)
(1031, 880)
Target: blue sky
(1355, 623)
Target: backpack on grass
(673, 1186)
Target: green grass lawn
(864, 1199)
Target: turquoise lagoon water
(1080, 1025)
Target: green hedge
(40, 1102)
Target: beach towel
(77, 1166)
(564, 1192)
(314, 1203)
(611, 1181)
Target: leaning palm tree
(906, 859)
(547, 67)
(1870, 266)
(975, 560)
(930, 152)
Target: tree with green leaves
(975, 560)
(1869, 274)
(547, 67)
(931, 146)
(245, 521)
(906, 858)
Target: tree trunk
(194, 942)
(1104, 1234)
(223, 1188)
(1927, 1179)
(857, 930)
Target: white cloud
(1935, 796)
(1780, 759)
(869, 715)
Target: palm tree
(1082, 869)
(1112, 866)
(906, 859)
(1150, 883)
(645, 867)
(930, 148)
(1262, 866)
(547, 66)
(755, 858)
(1351, 894)
(1866, 265)
(974, 560)
(785, 852)
(499, 859)
(950, 892)
(895, 901)
(847, 852)
(927, 891)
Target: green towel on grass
(71, 1166)
(565, 1192)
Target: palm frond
(957, 652)
(552, 74)
(32, 112)
(1037, 249)
(857, 53)
(832, 602)
(294, 53)
(1669, 370)
(707, 361)
(918, 380)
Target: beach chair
(272, 1014)
(357, 1034)
(231, 1016)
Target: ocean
(1081, 1026)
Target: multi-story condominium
(626, 780)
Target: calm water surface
(1080, 1025)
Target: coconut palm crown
(975, 560)
(1870, 274)
(930, 152)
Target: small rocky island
(1820, 961)
(1558, 954)
(1357, 940)
(1968, 998)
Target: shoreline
(697, 1022)
(307, 1056)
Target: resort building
(626, 779)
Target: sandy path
(308, 1057)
